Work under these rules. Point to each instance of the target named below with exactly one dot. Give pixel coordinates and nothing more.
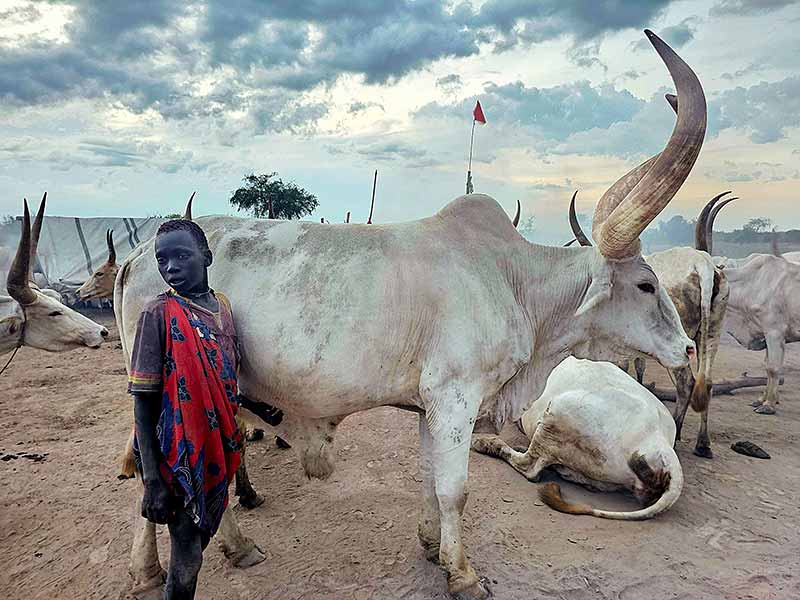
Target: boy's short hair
(190, 226)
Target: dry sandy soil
(66, 521)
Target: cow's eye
(647, 288)
(55, 313)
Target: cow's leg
(144, 567)
(244, 489)
(429, 531)
(450, 416)
(526, 462)
(684, 382)
(640, 364)
(776, 345)
(236, 546)
(702, 447)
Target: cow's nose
(690, 351)
(104, 332)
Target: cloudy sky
(126, 110)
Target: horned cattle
(764, 312)
(456, 317)
(596, 426)
(101, 284)
(34, 317)
(700, 293)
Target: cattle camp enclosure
(66, 521)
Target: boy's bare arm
(156, 501)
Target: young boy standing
(183, 381)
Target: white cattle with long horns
(763, 311)
(700, 292)
(37, 318)
(456, 317)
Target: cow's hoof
(756, 403)
(477, 591)
(765, 409)
(254, 557)
(251, 501)
(256, 435)
(703, 452)
(282, 443)
(150, 587)
(431, 550)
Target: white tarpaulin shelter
(71, 248)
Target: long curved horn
(35, 233)
(112, 252)
(638, 197)
(569, 243)
(347, 217)
(17, 282)
(575, 226)
(187, 215)
(710, 222)
(700, 231)
(515, 220)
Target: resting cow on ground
(456, 317)
(700, 293)
(764, 314)
(598, 427)
(34, 317)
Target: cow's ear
(599, 291)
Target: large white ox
(763, 311)
(34, 317)
(598, 427)
(700, 292)
(456, 317)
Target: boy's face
(181, 262)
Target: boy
(183, 381)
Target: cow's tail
(127, 465)
(701, 393)
(667, 483)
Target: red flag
(477, 114)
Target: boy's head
(183, 256)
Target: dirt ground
(66, 521)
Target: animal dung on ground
(748, 448)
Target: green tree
(758, 224)
(527, 228)
(289, 201)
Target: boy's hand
(156, 505)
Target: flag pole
(372, 205)
(469, 167)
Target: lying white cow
(456, 317)
(37, 318)
(596, 426)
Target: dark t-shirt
(147, 357)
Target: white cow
(764, 312)
(37, 318)
(456, 317)
(598, 427)
(700, 292)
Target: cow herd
(458, 318)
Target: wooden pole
(469, 166)
(372, 205)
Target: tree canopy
(289, 201)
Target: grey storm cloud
(748, 7)
(555, 112)
(766, 110)
(153, 55)
(676, 36)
